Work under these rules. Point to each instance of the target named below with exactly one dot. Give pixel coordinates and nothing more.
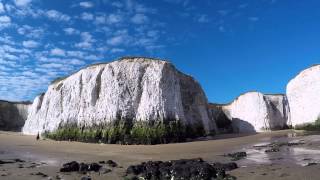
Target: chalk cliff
(303, 94)
(256, 112)
(134, 89)
(13, 115)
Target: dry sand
(47, 156)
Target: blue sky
(230, 47)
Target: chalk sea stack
(256, 112)
(125, 101)
(303, 94)
(13, 115)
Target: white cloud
(203, 18)
(30, 32)
(1, 8)
(86, 4)
(76, 62)
(71, 31)
(114, 18)
(100, 19)
(5, 19)
(86, 42)
(57, 16)
(117, 50)
(139, 19)
(78, 54)
(87, 16)
(30, 44)
(115, 41)
(57, 52)
(22, 3)
(117, 4)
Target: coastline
(52, 154)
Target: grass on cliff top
(124, 132)
(309, 126)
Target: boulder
(256, 112)
(130, 89)
(13, 115)
(303, 94)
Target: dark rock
(274, 149)
(236, 156)
(39, 174)
(58, 177)
(80, 167)
(112, 163)
(106, 171)
(70, 167)
(94, 167)
(7, 162)
(225, 166)
(83, 167)
(193, 169)
(311, 164)
(86, 178)
(137, 169)
(19, 160)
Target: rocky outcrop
(130, 89)
(303, 94)
(221, 117)
(256, 112)
(13, 115)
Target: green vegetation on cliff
(309, 126)
(128, 132)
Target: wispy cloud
(58, 52)
(2, 10)
(86, 4)
(71, 31)
(30, 44)
(86, 42)
(30, 32)
(139, 19)
(87, 16)
(57, 16)
(22, 3)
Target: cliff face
(13, 115)
(135, 89)
(256, 112)
(303, 96)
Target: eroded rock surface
(13, 115)
(134, 89)
(256, 112)
(303, 94)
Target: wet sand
(47, 156)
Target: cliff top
(13, 102)
(126, 58)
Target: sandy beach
(47, 156)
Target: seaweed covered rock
(123, 101)
(13, 115)
(194, 169)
